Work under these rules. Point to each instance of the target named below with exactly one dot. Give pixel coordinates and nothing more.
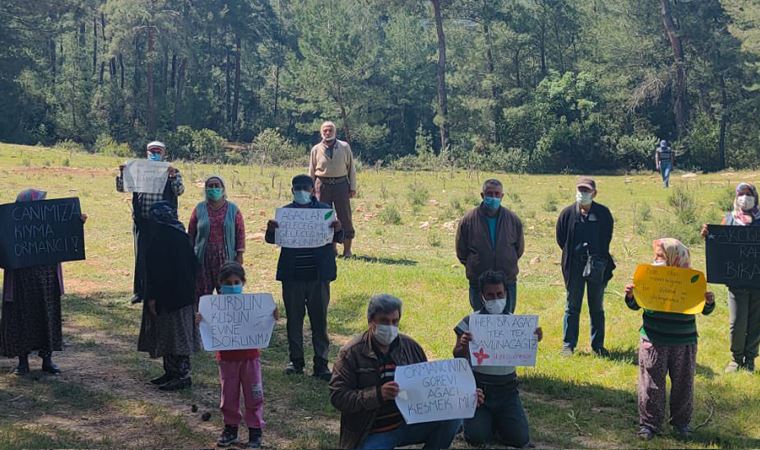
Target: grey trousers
(744, 314)
(301, 297)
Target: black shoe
(228, 437)
(602, 352)
(254, 437)
(23, 366)
(135, 299)
(177, 384)
(645, 434)
(322, 372)
(293, 369)
(50, 367)
(683, 432)
(163, 379)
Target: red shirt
(238, 355)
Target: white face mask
(659, 262)
(584, 198)
(495, 306)
(745, 202)
(385, 334)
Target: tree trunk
(517, 67)
(491, 67)
(276, 92)
(174, 70)
(165, 74)
(542, 48)
(443, 109)
(121, 71)
(94, 44)
(151, 93)
(680, 108)
(102, 69)
(178, 90)
(236, 100)
(723, 124)
(227, 88)
(53, 61)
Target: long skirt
(172, 333)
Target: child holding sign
(239, 369)
(668, 346)
(501, 418)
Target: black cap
(303, 180)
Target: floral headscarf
(676, 254)
(30, 195)
(741, 216)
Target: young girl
(668, 346)
(239, 369)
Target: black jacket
(171, 266)
(566, 230)
(324, 256)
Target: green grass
(578, 402)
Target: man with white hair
(331, 166)
(141, 204)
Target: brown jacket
(474, 248)
(355, 384)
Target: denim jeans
(575, 288)
(665, 168)
(500, 420)
(477, 304)
(435, 436)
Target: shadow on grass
(348, 314)
(630, 355)
(386, 261)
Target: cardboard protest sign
(304, 227)
(503, 340)
(733, 256)
(43, 232)
(669, 289)
(236, 322)
(438, 390)
(144, 176)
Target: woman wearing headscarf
(668, 347)
(168, 326)
(31, 319)
(217, 232)
(743, 304)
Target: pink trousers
(245, 375)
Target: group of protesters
(175, 266)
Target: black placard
(41, 232)
(733, 255)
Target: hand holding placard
(303, 227)
(669, 289)
(141, 175)
(236, 322)
(503, 339)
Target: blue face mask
(492, 203)
(214, 194)
(232, 289)
(302, 197)
(154, 156)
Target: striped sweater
(663, 328)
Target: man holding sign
(364, 391)
(501, 419)
(306, 267)
(668, 345)
(141, 204)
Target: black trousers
(142, 232)
(301, 297)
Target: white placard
(435, 391)
(503, 340)
(142, 175)
(236, 322)
(303, 227)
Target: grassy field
(405, 238)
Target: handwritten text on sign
(669, 289)
(42, 232)
(236, 322)
(303, 227)
(503, 340)
(142, 175)
(733, 255)
(434, 391)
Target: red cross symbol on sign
(480, 355)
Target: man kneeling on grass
(362, 386)
(501, 418)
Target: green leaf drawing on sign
(695, 278)
(328, 215)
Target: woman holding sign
(743, 303)
(31, 319)
(217, 232)
(668, 347)
(501, 418)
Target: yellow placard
(669, 289)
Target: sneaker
(254, 437)
(228, 437)
(135, 299)
(601, 352)
(294, 369)
(732, 367)
(177, 384)
(163, 379)
(749, 364)
(22, 368)
(683, 432)
(566, 351)
(323, 373)
(645, 434)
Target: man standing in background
(664, 158)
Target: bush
(69, 146)
(390, 215)
(725, 201)
(270, 147)
(702, 144)
(550, 204)
(636, 152)
(417, 194)
(196, 145)
(684, 204)
(179, 144)
(106, 145)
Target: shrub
(390, 215)
(418, 195)
(550, 204)
(208, 146)
(684, 205)
(270, 147)
(69, 146)
(106, 145)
